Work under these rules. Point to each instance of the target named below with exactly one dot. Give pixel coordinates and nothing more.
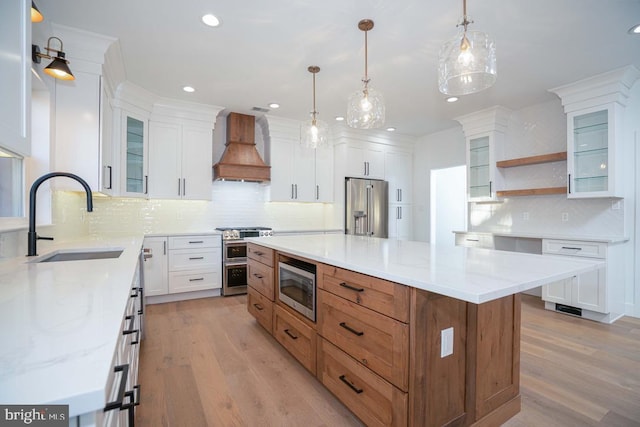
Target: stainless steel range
(234, 257)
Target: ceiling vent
(260, 110)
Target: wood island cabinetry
(379, 347)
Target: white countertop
(470, 274)
(543, 235)
(61, 322)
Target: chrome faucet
(32, 236)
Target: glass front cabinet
(593, 166)
(134, 155)
(483, 178)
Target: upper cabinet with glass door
(485, 135)
(135, 157)
(597, 153)
(591, 157)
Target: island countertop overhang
(470, 274)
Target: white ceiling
(261, 52)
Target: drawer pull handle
(193, 242)
(198, 279)
(472, 240)
(117, 404)
(286, 331)
(571, 248)
(259, 276)
(196, 257)
(258, 306)
(258, 253)
(345, 285)
(344, 379)
(131, 319)
(350, 329)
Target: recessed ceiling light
(452, 99)
(274, 105)
(391, 129)
(339, 118)
(635, 29)
(188, 89)
(211, 20)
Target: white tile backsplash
(588, 217)
(232, 204)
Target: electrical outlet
(525, 216)
(615, 205)
(565, 216)
(446, 342)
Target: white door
(448, 204)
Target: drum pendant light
(467, 62)
(314, 133)
(365, 109)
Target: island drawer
(261, 308)
(377, 341)
(260, 253)
(194, 242)
(298, 338)
(375, 401)
(388, 298)
(260, 277)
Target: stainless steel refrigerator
(366, 207)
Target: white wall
(436, 151)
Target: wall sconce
(36, 16)
(58, 67)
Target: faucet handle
(44, 238)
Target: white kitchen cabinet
(400, 221)
(77, 130)
(485, 138)
(483, 177)
(593, 162)
(596, 148)
(134, 160)
(301, 174)
(155, 266)
(194, 263)
(180, 159)
(109, 170)
(475, 240)
(15, 84)
(399, 173)
(365, 161)
(119, 410)
(182, 267)
(596, 295)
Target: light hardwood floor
(208, 363)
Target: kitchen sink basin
(80, 255)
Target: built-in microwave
(297, 286)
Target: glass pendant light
(467, 62)
(365, 109)
(314, 133)
(36, 16)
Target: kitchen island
(407, 333)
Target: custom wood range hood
(241, 160)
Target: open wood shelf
(532, 192)
(533, 160)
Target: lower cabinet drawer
(260, 277)
(374, 400)
(186, 281)
(190, 259)
(377, 341)
(298, 338)
(261, 308)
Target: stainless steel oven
(234, 257)
(297, 286)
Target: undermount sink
(79, 255)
